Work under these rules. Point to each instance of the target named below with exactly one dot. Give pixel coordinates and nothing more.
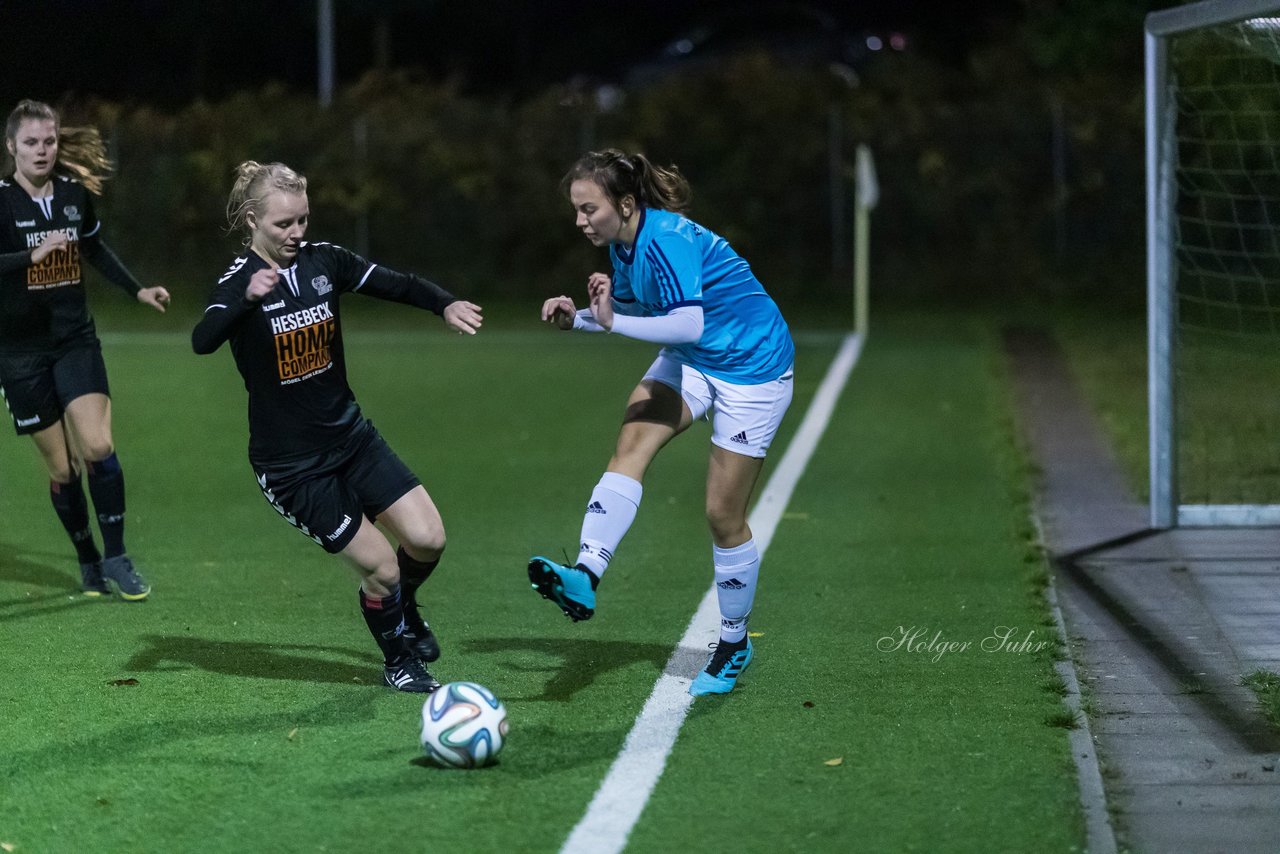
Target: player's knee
(725, 521)
(96, 450)
(61, 472)
(425, 544)
(383, 579)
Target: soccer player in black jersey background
(318, 461)
(52, 374)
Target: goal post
(1213, 262)
(867, 194)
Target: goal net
(1213, 174)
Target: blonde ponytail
(252, 184)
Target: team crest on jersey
(321, 284)
(72, 213)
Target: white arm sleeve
(681, 325)
(583, 321)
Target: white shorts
(744, 418)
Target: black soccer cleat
(91, 580)
(132, 586)
(422, 642)
(410, 675)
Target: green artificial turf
(241, 707)
(1227, 411)
(1266, 686)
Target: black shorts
(328, 496)
(38, 386)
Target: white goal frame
(1167, 511)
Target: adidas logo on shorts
(741, 438)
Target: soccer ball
(463, 725)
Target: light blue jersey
(676, 262)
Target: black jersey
(288, 347)
(42, 306)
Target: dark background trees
(1009, 146)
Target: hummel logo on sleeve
(597, 507)
(741, 438)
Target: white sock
(609, 515)
(737, 572)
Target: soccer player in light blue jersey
(727, 357)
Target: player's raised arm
(381, 282)
(94, 249)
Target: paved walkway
(1162, 625)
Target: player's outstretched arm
(560, 311)
(463, 316)
(156, 297)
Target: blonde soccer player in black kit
(318, 461)
(52, 375)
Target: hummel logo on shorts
(596, 507)
(741, 438)
(730, 584)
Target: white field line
(622, 795)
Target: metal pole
(867, 195)
(324, 50)
(1161, 304)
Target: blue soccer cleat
(724, 665)
(567, 586)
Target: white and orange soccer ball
(463, 725)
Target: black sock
(412, 574)
(106, 485)
(385, 618)
(73, 512)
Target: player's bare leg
(731, 478)
(655, 414)
(374, 561)
(416, 524)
